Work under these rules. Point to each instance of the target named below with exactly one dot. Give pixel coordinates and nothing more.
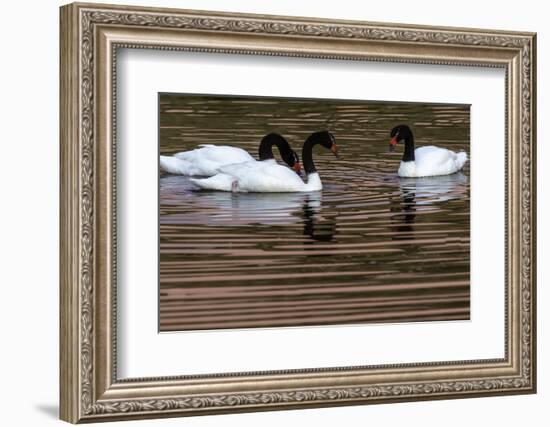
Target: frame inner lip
(330, 371)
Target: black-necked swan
(207, 160)
(261, 177)
(424, 161)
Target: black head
(291, 158)
(269, 141)
(399, 133)
(288, 155)
(326, 139)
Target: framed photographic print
(264, 212)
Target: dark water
(370, 247)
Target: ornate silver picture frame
(91, 34)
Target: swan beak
(393, 143)
(334, 151)
(297, 168)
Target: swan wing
(432, 155)
(431, 160)
(227, 177)
(204, 161)
(174, 165)
(243, 168)
(264, 176)
(219, 182)
(220, 154)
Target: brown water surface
(370, 247)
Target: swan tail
(219, 182)
(461, 159)
(174, 165)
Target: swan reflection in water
(434, 189)
(181, 204)
(423, 193)
(317, 227)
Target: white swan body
(424, 161)
(264, 176)
(432, 161)
(204, 161)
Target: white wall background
(29, 170)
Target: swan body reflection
(218, 207)
(435, 189)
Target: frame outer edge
(290, 18)
(533, 210)
(77, 339)
(69, 356)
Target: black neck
(408, 155)
(266, 146)
(266, 149)
(307, 155)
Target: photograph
(280, 212)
